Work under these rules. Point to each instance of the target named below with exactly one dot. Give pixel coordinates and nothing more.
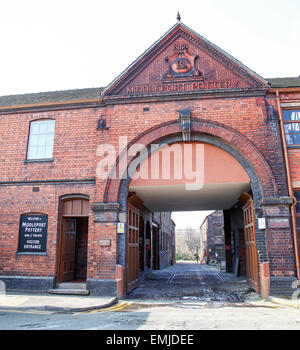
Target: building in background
(213, 239)
(164, 229)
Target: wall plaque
(104, 242)
(121, 227)
(182, 63)
(261, 223)
(33, 233)
(278, 223)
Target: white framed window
(41, 137)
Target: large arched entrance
(232, 171)
(187, 176)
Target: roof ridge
(50, 96)
(50, 92)
(284, 82)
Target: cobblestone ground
(188, 281)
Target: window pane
(289, 139)
(51, 125)
(295, 127)
(43, 127)
(297, 139)
(42, 140)
(288, 128)
(48, 152)
(34, 129)
(286, 115)
(34, 140)
(294, 115)
(297, 195)
(32, 153)
(49, 140)
(40, 153)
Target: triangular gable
(182, 61)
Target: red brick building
(286, 92)
(212, 232)
(72, 162)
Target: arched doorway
(73, 239)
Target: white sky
(67, 44)
(193, 219)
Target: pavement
(181, 282)
(56, 303)
(287, 302)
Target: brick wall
(246, 116)
(215, 237)
(72, 171)
(73, 152)
(166, 238)
(75, 147)
(17, 200)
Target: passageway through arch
(189, 176)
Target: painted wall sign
(33, 233)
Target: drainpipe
(291, 193)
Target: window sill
(32, 253)
(38, 160)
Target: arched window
(41, 137)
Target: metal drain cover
(196, 278)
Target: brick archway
(262, 180)
(243, 150)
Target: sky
(68, 44)
(189, 219)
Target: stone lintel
(106, 212)
(273, 201)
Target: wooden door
(141, 245)
(68, 245)
(155, 241)
(250, 242)
(148, 245)
(132, 269)
(81, 249)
